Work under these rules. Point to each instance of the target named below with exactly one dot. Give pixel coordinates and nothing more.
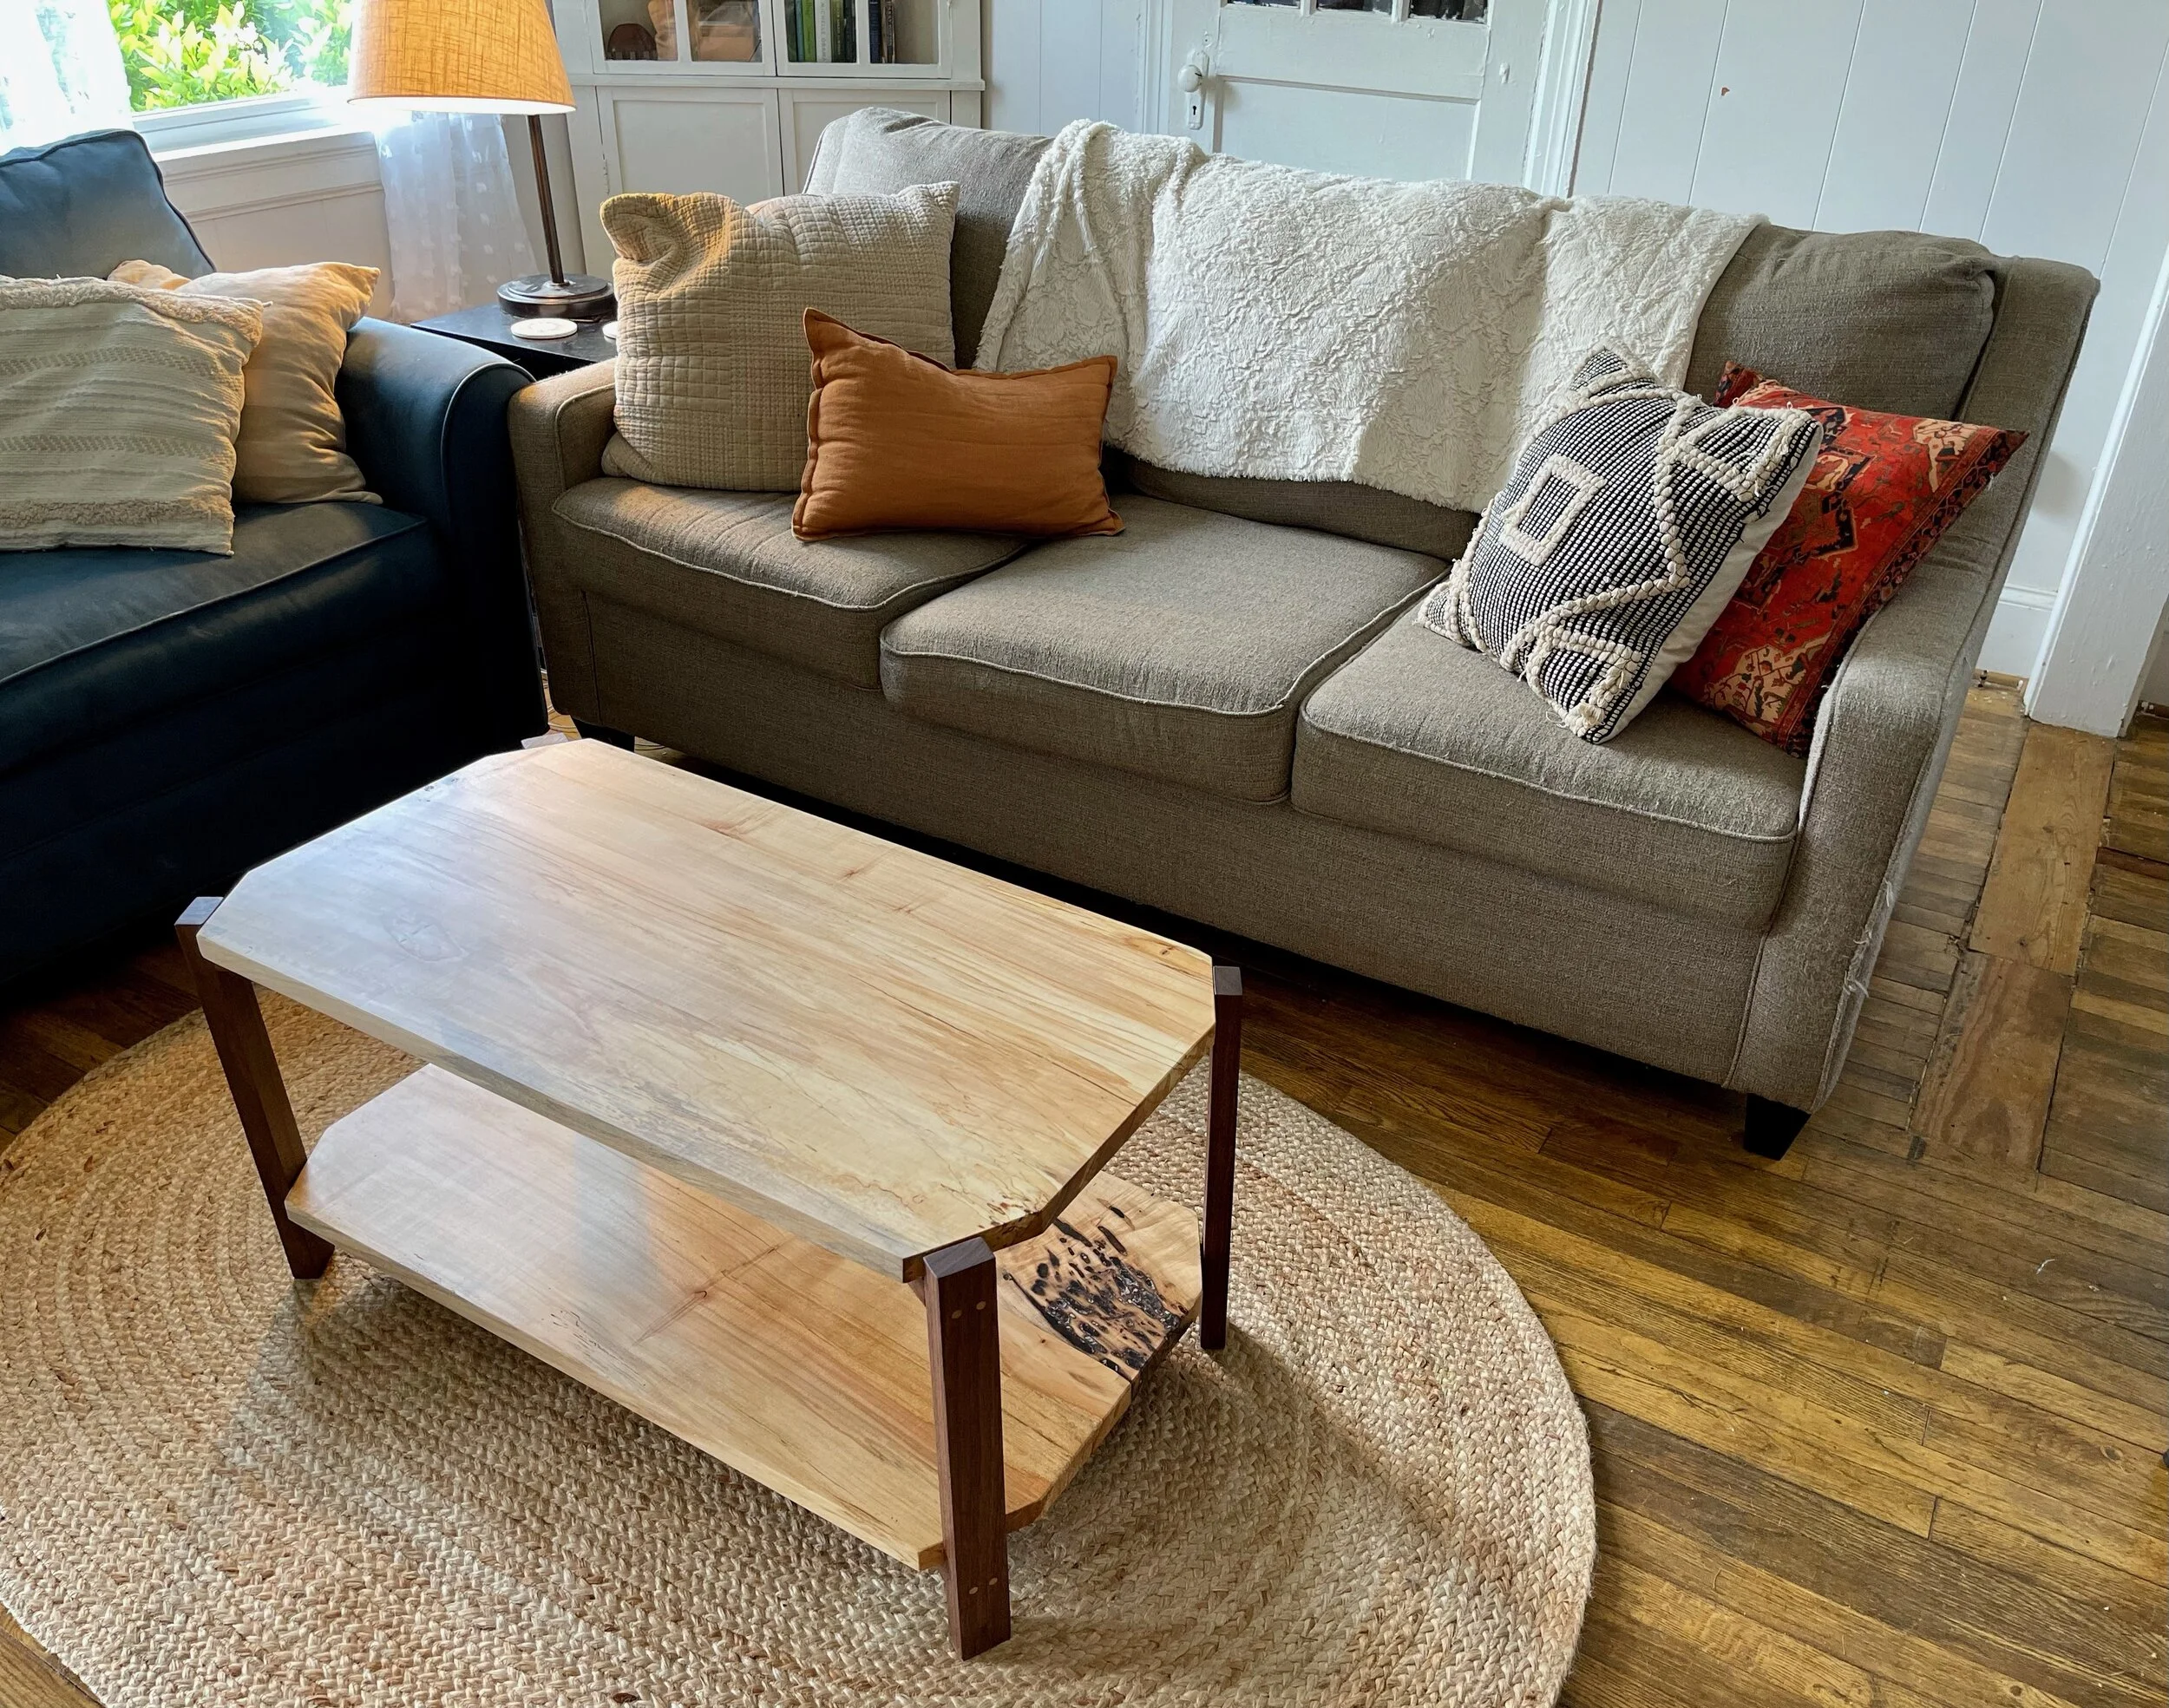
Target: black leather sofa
(170, 718)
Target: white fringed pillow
(118, 410)
(1631, 517)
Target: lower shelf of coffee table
(798, 1367)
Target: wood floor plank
(1957, 1305)
(30, 1678)
(1983, 1100)
(2147, 1188)
(2132, 897)
(1733, 1640)
(2034, 905)
(2142, 1603)
(1725, 1653)
(2001, 1622)
(1892, 1656)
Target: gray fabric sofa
(1228, 712)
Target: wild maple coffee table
(714, 1086)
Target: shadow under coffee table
(715, 1086)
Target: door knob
(1191, 79)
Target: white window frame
(247, 119)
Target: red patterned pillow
(1881, 492)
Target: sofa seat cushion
(1178, 649)
(726, 563)
(95, 638)
(1421, 738)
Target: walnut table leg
(260, 1095)
(1220, 1155)
(964, 1344)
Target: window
(192, 53)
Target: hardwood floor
(1877, 1426)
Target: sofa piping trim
(1371, 625)
(1790, 836)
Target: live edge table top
(877, 1050)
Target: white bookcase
(737, 91)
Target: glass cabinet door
(657, 30)
(855, 37)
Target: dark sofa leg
(1771, 1127)
(603, 732)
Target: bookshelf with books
(731, 95)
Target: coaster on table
(610, 330)
(548, 327)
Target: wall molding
(2012, 644)
(2100, 636)
(1562, 96)
(1156, 66)
(230, 177)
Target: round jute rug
(219, 1487)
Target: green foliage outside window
(183, 53)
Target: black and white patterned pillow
(1632, 516)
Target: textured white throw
(1298, 325)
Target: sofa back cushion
(1344, 507)
(878, 151)
(1893, 321)
(1880, 320)
(79, 208)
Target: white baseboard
(2016, 632)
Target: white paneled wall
(2035, 126)
(1049, 61)
(280, 203)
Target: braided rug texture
(224, 1488)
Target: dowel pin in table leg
(260, 1095)
(1220, 1156)
(964, 1348)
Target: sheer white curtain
(456, 233)
(60, 71)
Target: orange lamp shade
(456, 56)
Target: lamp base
(581, 297)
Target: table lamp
(478, 56)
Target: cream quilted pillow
(118, 408)
(713, 374)
(292, 445)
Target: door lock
(1192, 77)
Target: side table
(489, 325)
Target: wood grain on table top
(881, 1051)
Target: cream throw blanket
(1297, 325)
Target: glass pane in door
(822, 32)
(726, 29)
(638, 30)
(1469, 11)
(1356, 5)
(902, 32)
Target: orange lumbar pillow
(897, 440)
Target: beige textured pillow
(292, 448)
(713, 378)
(118, 408)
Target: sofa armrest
(1880, 742)
(1886, 728)
(425, 420)
(559, 429)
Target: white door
(1388, 88)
